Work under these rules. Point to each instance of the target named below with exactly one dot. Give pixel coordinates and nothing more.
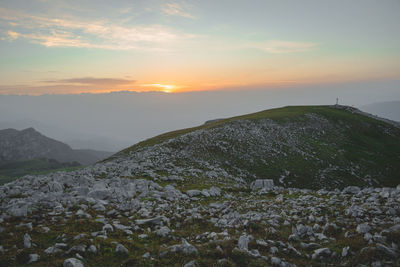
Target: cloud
(283, 47)
(175, 9)
(12, 35)
(72, 85)
(93, 81)
(102, 34)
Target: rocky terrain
(172, 201)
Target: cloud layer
(74, 32)
(176, 9)
(117, 35)
(73, 85)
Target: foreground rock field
(77, 218)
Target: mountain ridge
(28, 144)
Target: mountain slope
(304, 146)
(29, 144)
(182, 198)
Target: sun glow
(166, 88)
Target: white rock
(155, 221)
(19, 211)
(243, 242)
(163, 231)
(267, 184)
(321, 252)
(72, 262)
(55, 187)
(108, 228)
(363, 228)
(184, 248)
(205, 193)
(190, 264)
(146, 255)
(345, 251)
(275, 261)
(92, 249)
(214, 191)
(388, 251)
(27, 241)
(193, 193)
(351, 190)
(33, 258)
(121, 249)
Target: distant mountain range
(72, 136)
(29, 144)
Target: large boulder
(351, 190)
(193, 193)
(258, 184)
(100, 194)
(184, 248)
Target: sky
(99, 46)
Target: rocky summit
(296, 186)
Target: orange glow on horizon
(166, 88)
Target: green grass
(13, 170)
(283, 114)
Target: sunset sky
(60, 46)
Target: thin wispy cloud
(176, 9)
(111, 35)
(74, 85)
(12, 35)
(283, 47)
(73, 32)
(92, 81)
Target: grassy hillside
(304, 146)
(290, 113)
(13, 170)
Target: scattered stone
(121, 249)
(193, 193)
(184, 248)
(33, 258)
(146, 255)
(52, 250)
(321, 252)
(72, 262)
(266, 184)
(155, 221)
(388, 251)
(27, 241)
(243, 242)
(190, 264)
(351, 190)
(163, 231)
(275, 261)
(108, 228)
(92, 249)
(345, 251)
(363, 228)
